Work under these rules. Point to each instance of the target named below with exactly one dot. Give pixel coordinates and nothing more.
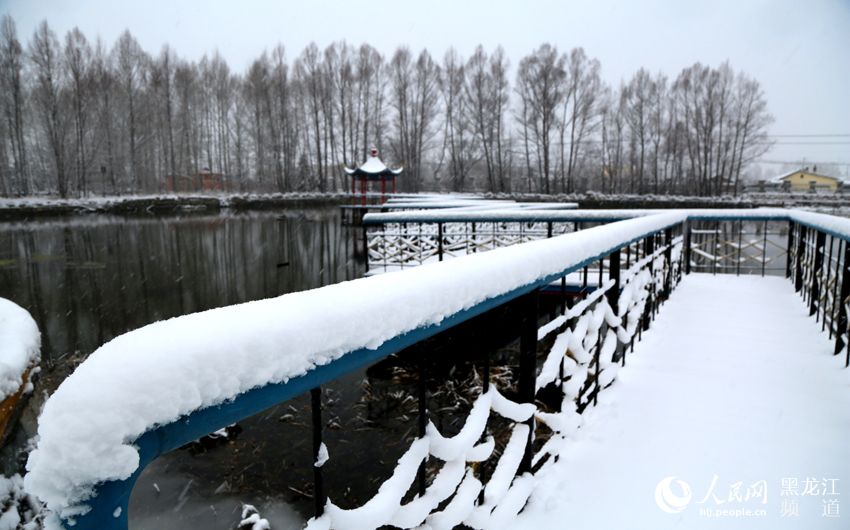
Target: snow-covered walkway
(733, 397)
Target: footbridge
(589, 293)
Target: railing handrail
(831, 225)
(553, 259)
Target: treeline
(80, 118)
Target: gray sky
(798, 50)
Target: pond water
(88, 279)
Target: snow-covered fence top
(538, 213)
(20, 346)
(163, 385)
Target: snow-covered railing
(398, 240)
(450, 202)
(164, 385)
(818, 262)
(20, 353)
(20, 347)
(154, 389)
(401, 239)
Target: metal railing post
(798, 258)
(563, 295)
(820, 242)
(825, 301)
(836, 285)
(668, 260)
(648, 250)
(423, 417)
(791, 226)
(440, 241)
(740, 244)
(613, 294)
(687, 247)
(319, 495)
(841, 327)
(366, 246)
(528, 366)
(764, 249)
(485, 382)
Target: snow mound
(20, 346)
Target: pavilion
(373, 169)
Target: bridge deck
(734, 381)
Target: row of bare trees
(80, 118)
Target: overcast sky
(798, 49)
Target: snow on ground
(20, 346)
(733, 385)
(19, 510)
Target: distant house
(805, 180)
(204, 180)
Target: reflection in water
(174, 502)
(88, 279)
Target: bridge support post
(528, 366)
(319, 496)
(798, 258)
(841, 327)
(820, 243)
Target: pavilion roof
(373, 167)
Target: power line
(808, 135)
(803, 143)
(799, 162)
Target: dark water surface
(88, 279)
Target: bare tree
(78, 61)
(12, 100)
(540, 81)
(130, 61)
(415, 90)
(579, 112)
(44, 53)
(76, 119)
(458, 135)
(487, 94)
